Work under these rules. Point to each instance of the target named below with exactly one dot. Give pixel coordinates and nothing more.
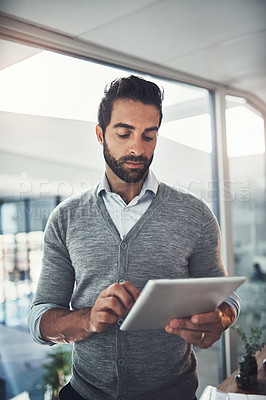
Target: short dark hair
(132, 87)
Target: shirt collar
(150, 184)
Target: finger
(195, 337)
(131, 289)
(112, 305)
(207, 318)
(206, 339)
(117, 290)
(186, 324)
(183, 323)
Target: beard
(129, 175)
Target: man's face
(130, 139)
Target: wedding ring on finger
(202, 337)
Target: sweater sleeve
(207, 256)
(34, 320)
(206, 259)
(57, 278)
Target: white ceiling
(221, 41)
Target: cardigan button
(124, 245)
(120, 322)
(121, 362)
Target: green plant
(252, 343)
(58, 370)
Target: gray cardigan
(177, 237)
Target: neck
(127, 191)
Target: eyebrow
(127, 126)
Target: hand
(112, 304)
(203, 330)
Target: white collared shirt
(125, 215)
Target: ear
(99, 134)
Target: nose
(136, 146)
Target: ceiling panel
(172, 29)
(72, 17)
(222, 41)
(226, 62)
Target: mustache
(134, 159)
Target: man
(102, 247)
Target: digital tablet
(164, 299)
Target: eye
(148, 138)
(123, 133)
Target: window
(246, 152)
(23, 223)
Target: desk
(229, 385)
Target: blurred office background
(55, 59)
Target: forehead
(126, 110)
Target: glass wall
(21, 235)
(22, 225)
(246, 152)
